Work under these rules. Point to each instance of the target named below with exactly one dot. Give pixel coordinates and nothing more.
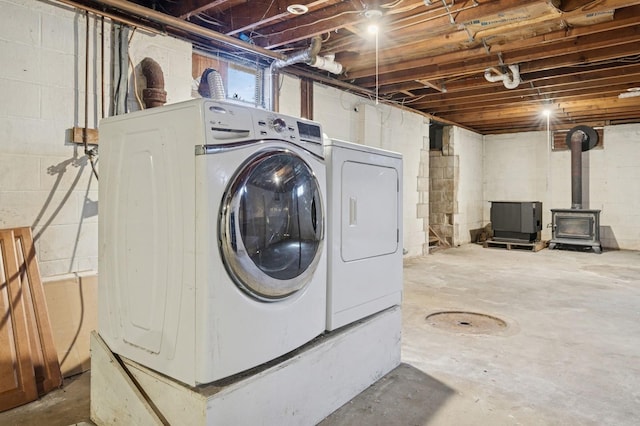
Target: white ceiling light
(630, 93)
(373, 15)
(297, 9)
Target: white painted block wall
(521, 167)
(46, 181)
(515, 169)
(468, 146)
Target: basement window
(560, 138)
(436, 131)
(242, 81)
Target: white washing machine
(211, 237)
(364, 222)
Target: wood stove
(577, 226)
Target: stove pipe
(577, 138)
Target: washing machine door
(271, 227)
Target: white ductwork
(510, 80)
(327, 63)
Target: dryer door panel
(369, 210)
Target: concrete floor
(569, 355)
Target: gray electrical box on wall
(516, 220)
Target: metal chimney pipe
(576, 168)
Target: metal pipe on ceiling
(177, 23)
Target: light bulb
(373, 15)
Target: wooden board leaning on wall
(28, 361)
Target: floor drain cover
(466, 322)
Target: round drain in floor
(466, 322)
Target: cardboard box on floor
(72, 301)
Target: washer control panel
(230, 123)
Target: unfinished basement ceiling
(573, 56)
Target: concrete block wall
(424, 187)
(614, 186)
(46, 181)
(469, 213)
(443, 171)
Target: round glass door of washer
(271, 226)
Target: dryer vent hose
(211, 85)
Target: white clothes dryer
(364, 222)
(211, 237)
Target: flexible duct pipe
(259, 94)
(489, 76)
(510, 81)
(310, 56)
(216, 86)
(514, 81)
(211, 85)
(306, 56)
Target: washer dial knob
(278, 125)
